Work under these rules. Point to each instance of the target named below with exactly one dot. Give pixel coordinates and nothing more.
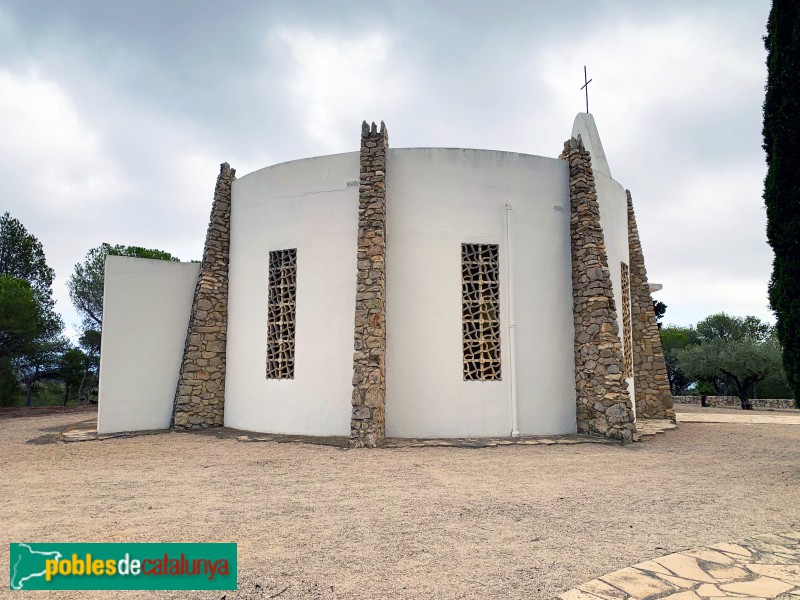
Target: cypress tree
(782, 184)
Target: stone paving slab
(480, 442)
(80, 432)
(650, 427)
(763, 567)
(745, 416)
(87, 430)
(645, 427)
(245, 436)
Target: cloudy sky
(114, 116)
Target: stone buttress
(367, 423)
(603, 404)
(200, 395)
(653, 394)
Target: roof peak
(585, 128)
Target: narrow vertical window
(626, 319)
(480, 311)
(281, 311)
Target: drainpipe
(512, 344)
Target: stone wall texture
(735, 402)
(367, 423)
(603, 404)
(651, 385)
(200, 396)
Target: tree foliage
(90, 342)
(30, 329)
(22, 257)
(86, 282)
(660, 309)
(9, 386)
(41, 362)
(72, 370)
(739, 351)
(782, 185)
(20, 317)
(673, 339)
(722, 326)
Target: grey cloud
(171, 89)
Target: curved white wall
(306, 205)
(438, 199)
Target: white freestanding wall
(146, 308)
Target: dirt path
(505, 522)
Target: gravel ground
(322, 522)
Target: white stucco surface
(585, 126)
(438, 199)
(307, 205)
(146, 310)
(614, 221)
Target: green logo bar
(104, 566)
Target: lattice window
(626, 318)
(480, 311)
(281, 313)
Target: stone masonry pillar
(651, 384)
(200, 396)
(367, 424)
(603, 404)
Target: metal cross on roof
(585, 87)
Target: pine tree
(782, 184)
